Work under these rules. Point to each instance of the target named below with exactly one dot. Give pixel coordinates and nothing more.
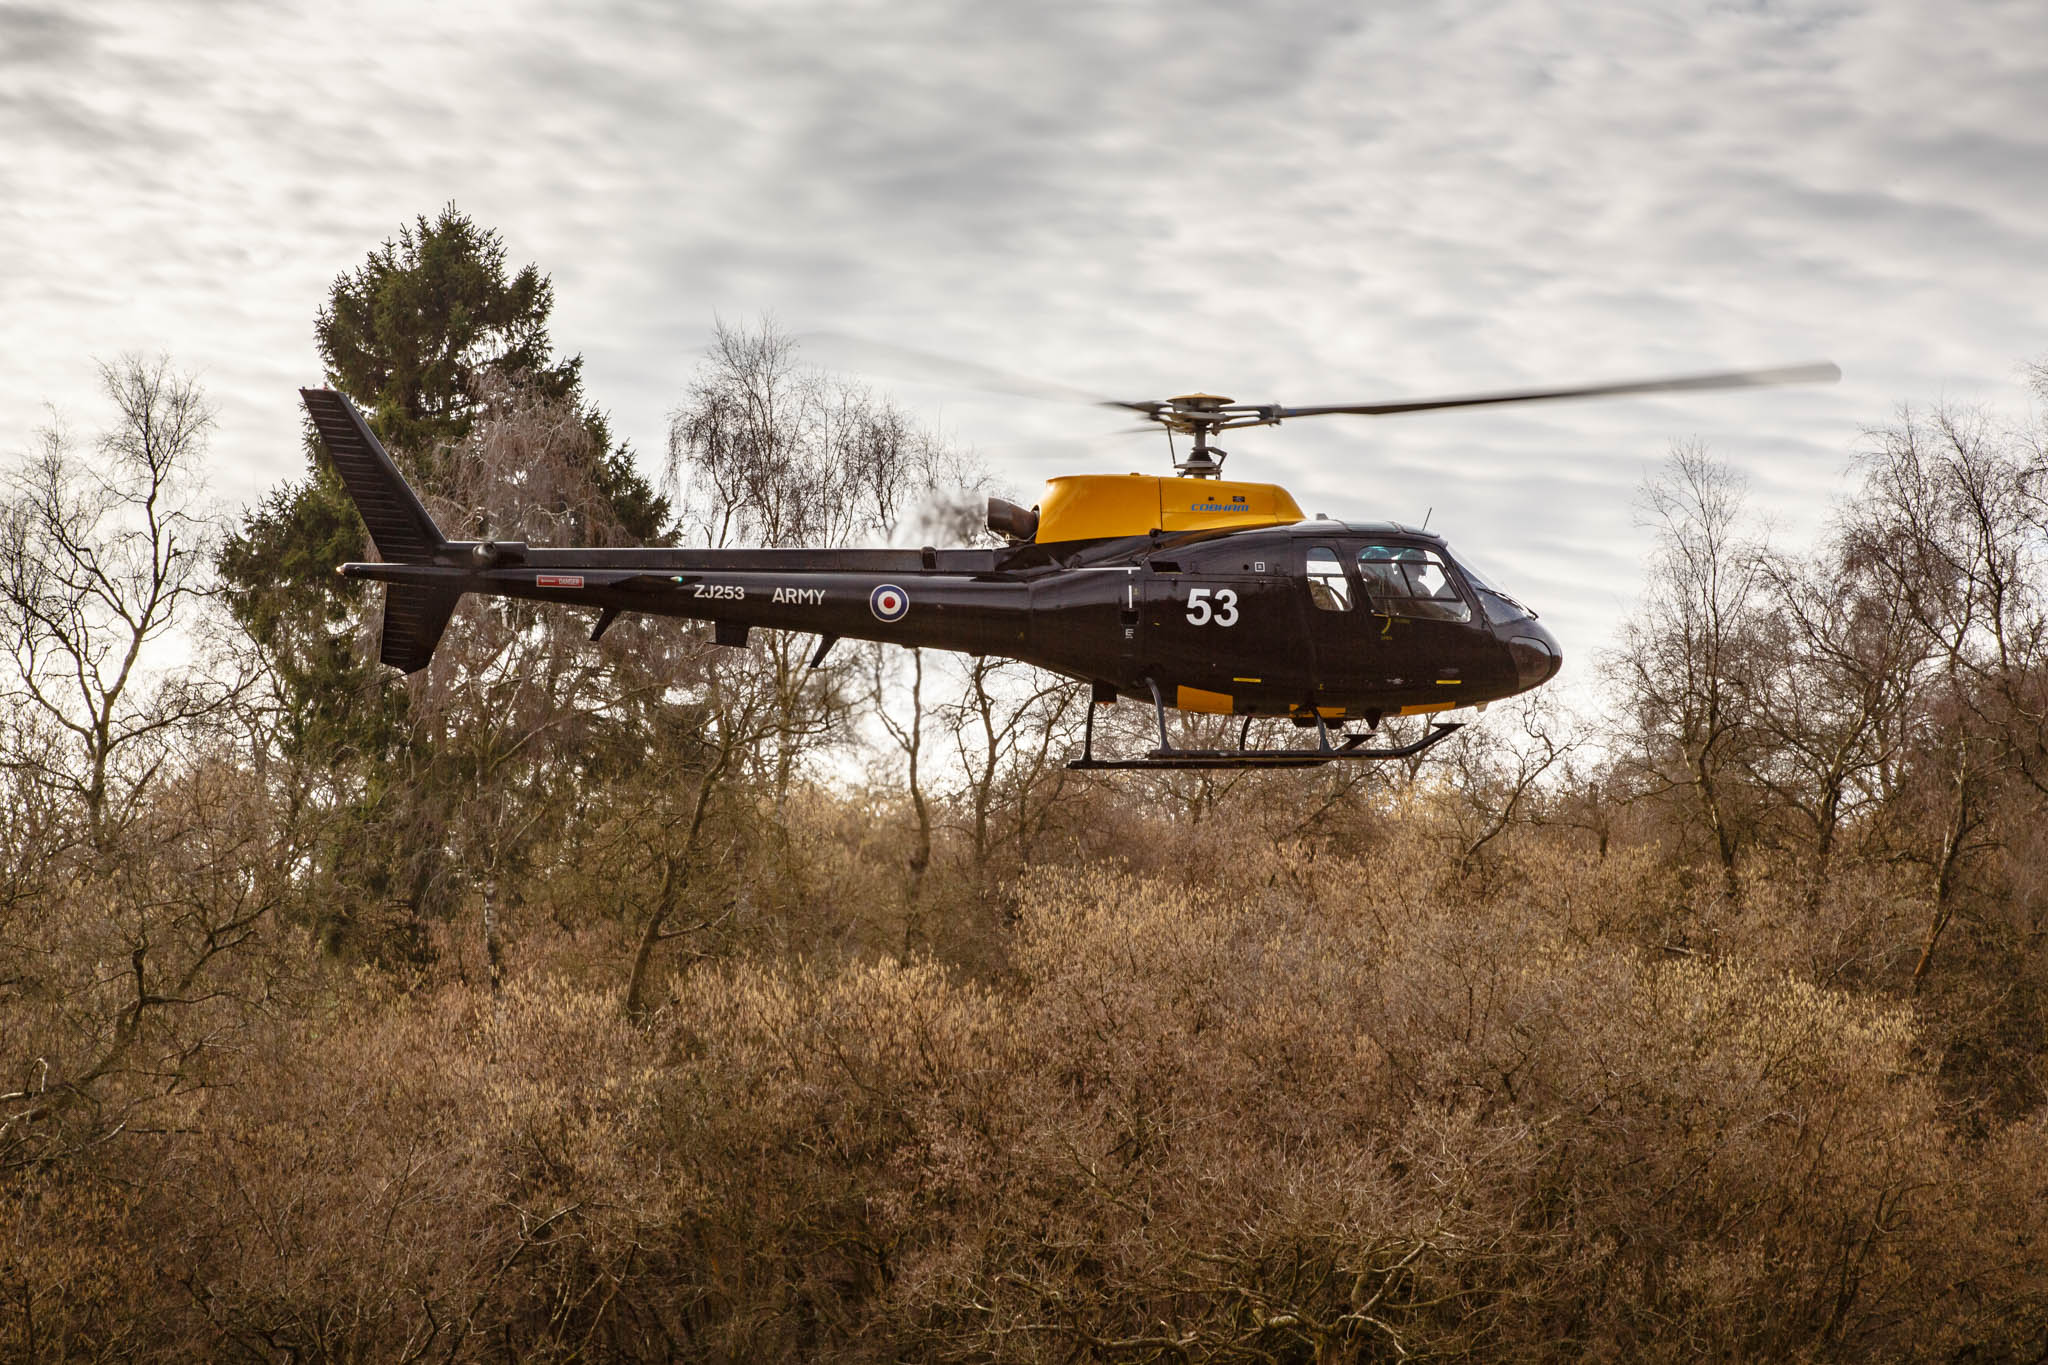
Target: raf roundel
(888, 602)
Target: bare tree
(128, 959)
(512, 709)
(1949, 522)
(677, 809)
(1007, 721)
(1497, 779)
(900, 710)
(1841, 669)
(102, 558)
(766, 451)
(1685, 662)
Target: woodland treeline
(651, 999)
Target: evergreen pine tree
(409, 336)
(417, 337)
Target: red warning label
(560, 580)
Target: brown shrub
(1278, 1105)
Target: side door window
(1327, 586)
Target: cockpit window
(1407, 580)
(1500, 607)
(1327, 586)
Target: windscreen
(1499, 606)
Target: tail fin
(414, 615)
(399, 524)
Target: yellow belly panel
(1195, 699)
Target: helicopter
(1186, 592)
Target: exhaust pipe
(1010, 521)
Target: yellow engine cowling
(1094, 506)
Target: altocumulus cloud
(1306, 202)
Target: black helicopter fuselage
(1190, 592)
(1235, 622)
(1238, 607)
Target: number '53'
(1200, 612)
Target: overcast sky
(1302, 203)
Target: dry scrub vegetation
(576, 1003)
(1246, 1104)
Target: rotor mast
(1202, 415)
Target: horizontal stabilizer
(414, 618)
(398, 521)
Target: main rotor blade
(1822, 372)
(839, 351)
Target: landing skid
(1350, 747)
